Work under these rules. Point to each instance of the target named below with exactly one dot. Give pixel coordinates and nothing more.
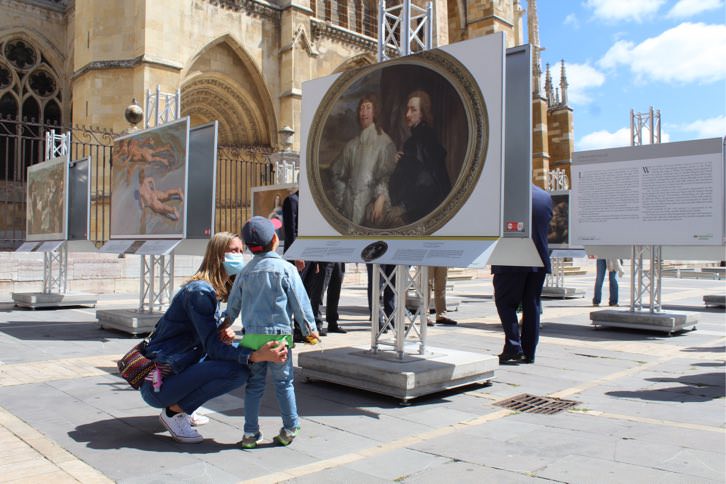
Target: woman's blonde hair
(212, 269)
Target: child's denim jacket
(268, 292)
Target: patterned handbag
(134, 366)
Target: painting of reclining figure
(46, 200)
(148, 183)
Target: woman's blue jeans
(282, 380)
(602, 268)
(197, 384)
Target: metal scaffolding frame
(55, 263)
(645, 282)
(157, 282)
(404, 28)
(405, 325)
(157, 271)
(55, 270)
(161, 107)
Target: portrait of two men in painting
(393, 148)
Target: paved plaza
(650, 407)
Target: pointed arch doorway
(222, 83)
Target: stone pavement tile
(397, 464)
(672, 457)
(468, 472)
(335, 474)
(575, 468)
(200, 472)
(377, 428)
(656, 404)
(690, 438)
(481, 449)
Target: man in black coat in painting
(420, 181)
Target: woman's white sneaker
(197, 419)
(180, 428)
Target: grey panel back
(202, 181)
(79, 199)
(516, 194)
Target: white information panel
(665, 194)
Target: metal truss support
(650, 121)
(55, 270)
(646, 282)
(162, 107)
(56, 144)
(404, 28)
(405, 326)
(557, 278)
(157, 282)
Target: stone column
(540, 142)
(296, 54)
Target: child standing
(269, 290)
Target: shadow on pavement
(705, 349)
(142, 433)
(58, 331)
(694, 388)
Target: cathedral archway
(223, 83)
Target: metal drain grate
(534, 404)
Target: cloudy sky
(633, 54)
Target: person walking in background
(267, 290)
(437, 284)
(614, 269)
(515, 285)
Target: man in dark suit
(315, 274)
(523, 285)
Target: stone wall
(87, 272)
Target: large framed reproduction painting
(396, 149)
(47, 200)
(149, 183)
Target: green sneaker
(286, 436)
(249, 441)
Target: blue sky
(632, 54)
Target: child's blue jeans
(282, 380)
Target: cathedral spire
(563, 83)
(533, 32)
(549, 92)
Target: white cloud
(705, 128)
(572, 21)
(689, 52)
(580, 79)
(617, 10)
(605, 139)
(690, 8)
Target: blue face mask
(233, 263)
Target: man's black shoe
(527, 359)
(336, 329)
(510, 358)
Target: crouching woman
(196, 360)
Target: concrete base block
(35, 300)
(562, 293)
(715, 301)
(670, 322)
(410, 377)
(127, 320)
